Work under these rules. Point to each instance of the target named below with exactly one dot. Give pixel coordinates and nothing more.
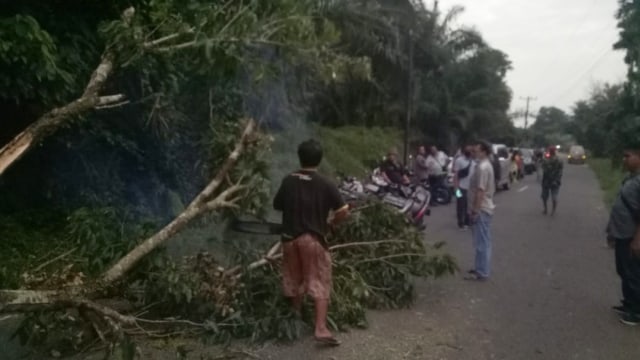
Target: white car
(502, 153)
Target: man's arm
(635, 244)
(454, 168)
(385, 177)
(339, 209)
(483, 182)
(477, 202)
(560, 170)
(633, 203)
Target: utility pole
(526, 112)
(409, 99)
(526, 118)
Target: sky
(559, 49)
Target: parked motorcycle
(440, 191)
(412, 201)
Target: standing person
(436, 165)
(551, 180)
(441, 158)
(623, 233)
(462, 170)
(306, 200)
(421, 167)
(481, 207)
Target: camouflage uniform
(551, 177)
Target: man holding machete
(307, 201)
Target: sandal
(475, 277)
(328, 341)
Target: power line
(575, 63)
(585, 73)
(569, 38)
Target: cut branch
(109, 100)
(273, 254)
(198, 206)
(156, 42)
(10, 300)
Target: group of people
(311, 204)
(428, 166)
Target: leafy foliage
(551, 127)
(190, 72)
(365, 276)
(377, 260)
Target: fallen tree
(245, 300)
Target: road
(549, 296)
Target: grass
(348, 149)
(609, 177)
(352, 149)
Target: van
(576, 155)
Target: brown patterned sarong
(306, 268)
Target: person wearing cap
(392, 170)
(551, 180)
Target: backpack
(463, 173)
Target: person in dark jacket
(623, 233)
(551, 180)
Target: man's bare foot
(322, 333)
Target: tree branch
(272, 255)
(231, 160)
(152, 44)
(217, 41)
(50, 122)
(197, 207)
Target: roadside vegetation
(609, 176)
(353, 150)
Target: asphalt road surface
(549, 297)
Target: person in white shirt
(462, 171)
(436, 161)
(441, 157)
